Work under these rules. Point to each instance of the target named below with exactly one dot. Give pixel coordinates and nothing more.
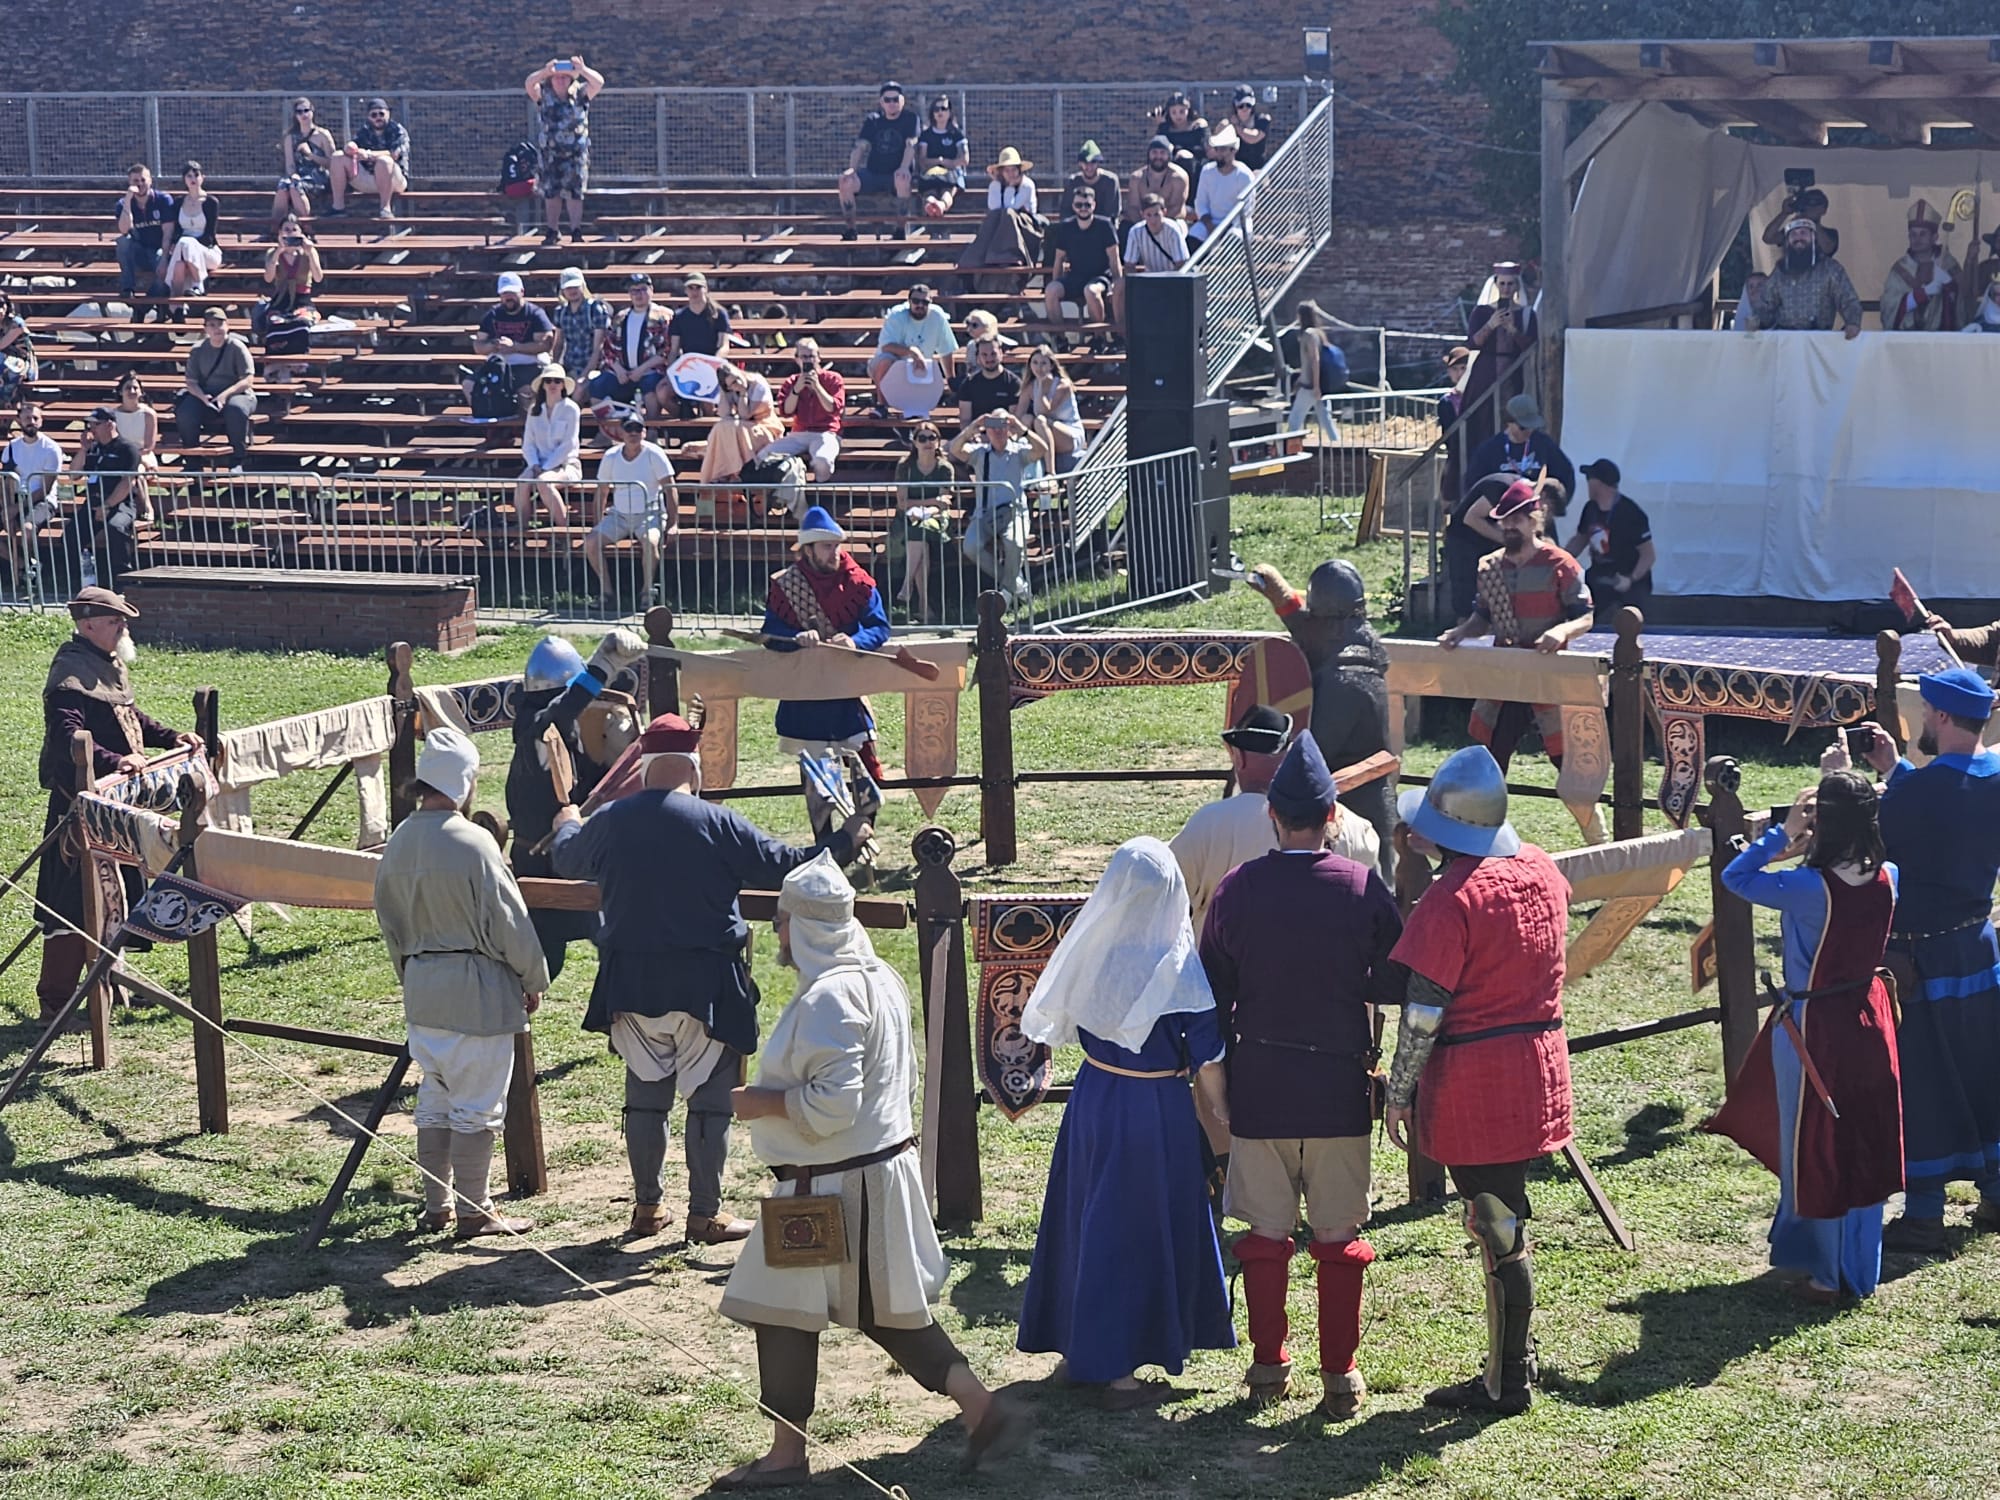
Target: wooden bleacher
(375, 411)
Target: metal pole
(660, 135)
(153, 152)
(1056, 129)
(34, 140)
(750, 128)
(791, 139)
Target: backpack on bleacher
(493, 392)
(518, 169)
(786, 473)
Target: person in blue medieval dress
(1127, 1272)
(1941, 826)
(1818, 1099)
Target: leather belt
(803, 1175)
(1523, 1028)
(1134, 1072)
(1911, 937)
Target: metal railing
(638, 135)
(1363, 423)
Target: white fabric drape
(356, 734)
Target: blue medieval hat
(1304, 788)
(817, 526)
(1960, 691)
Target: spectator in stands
(306, 149)
(193, 232)
(1920, 294)
(1161, 177)
(143, 215)
(18, 366)
(987, 385)
(579, 320)
(1222, 185)
(1157, 243)
(919, 332)
(376, 161)
(1988, 318)
(292, 268)
(139, 425)
(1613, 541)
(1499, 333)
(1808, 290)
(883, 158)
(1523, 449)
(812, 400)
(28, 466)
(1457, 364)
(219, 389)
(996, 454)
(108, 512)
(1746, 316)
(981, 324)
(1011, 234)
(1009, 186)
(551, 447)
(1048, 405)
(1252, 128)
(746, 423)
(1322, 375)
(925, 482)
(1187, 135)
(1090, 174)
(632, 361)
(700, 327)
(1087, 265)
(943, 157)
(516, 330)
(1806, 202)
(637, 502)
(561, 90)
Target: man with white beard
(847, 1234)
(88, 688)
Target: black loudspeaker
(1166, 355)
(1177, 512)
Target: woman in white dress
(139, 425)
(552, 444)
(195, 251)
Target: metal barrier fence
(638, 135)
(937, 552)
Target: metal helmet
(1464, 809)
(552, 664)
(1336, 590)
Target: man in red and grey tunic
(1529, 593)
(1482, 1031)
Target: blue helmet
(552, 664)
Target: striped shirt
(1522, 600)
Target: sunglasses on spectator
(378, 114)
(892, 98)
(303, 109)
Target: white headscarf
(824, 936)
(1128, 960)
(449, 762)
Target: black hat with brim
(1261, 731)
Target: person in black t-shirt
(702, 327)
(1086, 264)
(1613, 541)
(1252, 129)
(986, 386)
(881, 161)
(110, 509)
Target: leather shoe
(472, 1226)
(649, 1218)
(1907, 1236)
(722, 1230)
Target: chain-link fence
(638, 136)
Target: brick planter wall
(278, 609)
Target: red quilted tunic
(1492, 931)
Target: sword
(1798, 1040)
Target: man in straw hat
(1481, 1030)
(1300, 1057)
(673, 988)
(1530, 593)
(830, 1115)
(88, 689)
(1808, 289)
(472, 972)
(1920, 293)
(1222, 185)
(1941, 829)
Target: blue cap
(1960, 691)
(817, 526)
(1304, 788)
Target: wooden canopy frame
(1902, 88)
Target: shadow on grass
(1648, 1131)
(1689, 1335)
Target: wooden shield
(1275, 673)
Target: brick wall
(310, 615)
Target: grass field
(161, 1334)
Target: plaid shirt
(391, 138)
(1522, 600)
(1819, 298)
(582, 328)
(653, 341)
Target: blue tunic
(1847, 1250)
(1941, 824)
(1127, 1271)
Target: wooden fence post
(663, 674)
(403, 748)
(1888, 667)
(1735, 938)
(211, 1058)
(996, 734)
(951, 1107)
(1628, 727)
(521, 1136)
(83, 758)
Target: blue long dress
(1127, 1271)
(1846, 1251)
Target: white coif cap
(449, 762)
(817, 892)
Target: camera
(1798, 179)
(292, 239)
